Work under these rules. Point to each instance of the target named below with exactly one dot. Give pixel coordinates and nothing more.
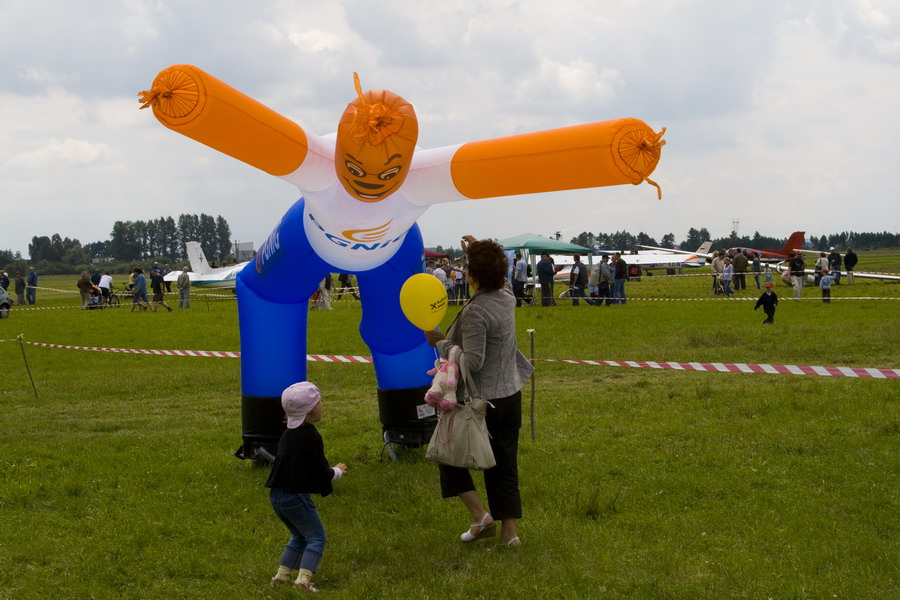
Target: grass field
(118, 480)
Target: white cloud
(780, 115)
(66, 152)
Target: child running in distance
(768, 301)
(300, 470)
(825, 285)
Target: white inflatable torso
(354, 235)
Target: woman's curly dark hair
(487, 264)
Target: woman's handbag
(461, 438)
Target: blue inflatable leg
(273, 303)
(399, 351)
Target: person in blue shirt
(31, 290)
(825, 285)
(139, 291)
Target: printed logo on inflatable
(270, 252)
(359, 239)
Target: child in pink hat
(301, 470)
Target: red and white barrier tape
(865, 372)
(858, 372)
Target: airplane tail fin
(795, 242)
(199, 264)
(702, 251)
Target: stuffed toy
(442, 394)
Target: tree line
(622, 240)
(159, 239)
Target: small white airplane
(663, 259)
(204, 276)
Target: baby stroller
(95, 298)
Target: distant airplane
(204, 276)
(665, 259)
(797, 239)
(785, 268)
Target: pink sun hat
(297, 400)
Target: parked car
(5, 303)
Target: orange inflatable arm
(196, 104)
(583, 156)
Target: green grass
(118, 481)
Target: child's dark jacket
(300, 465)
(767, 301)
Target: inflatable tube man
(362, 192)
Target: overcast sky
(780, 115)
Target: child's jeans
(298, 512)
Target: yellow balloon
(424, 301)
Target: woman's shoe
(512, 543)
(483, 529)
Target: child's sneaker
(304, 581)
(308, 586)
(280, 580)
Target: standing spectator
(105, 285)
(606, 277)
(31, 291)
(769, 301)
(459, 281)
(85, 286)
(4, 280)
(158, 286)
(578, 280)
(20, 288)
(825, 286)
(301, 470)
(448, 282)
(727, 277)
(165, 271)
(798, 266)
(429, 267)
(346, 282)
(545, 273)
(520, 277)
(95, 277)
(850, 260)
(834, 265)
(485, 331)
(139, 290)
(821, 267)
(321, 300)
(739, 263)
(440, 275)
(718, 263)
(594, 284)
(184, 289)
(620, 274)
(757, 267)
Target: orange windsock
(196, 104)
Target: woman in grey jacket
(485, 331)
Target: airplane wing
(173, 276)
(698, 254)
(884, 276)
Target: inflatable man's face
(376, 138)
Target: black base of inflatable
(262, 421)
(402, 422)
(401, 419)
